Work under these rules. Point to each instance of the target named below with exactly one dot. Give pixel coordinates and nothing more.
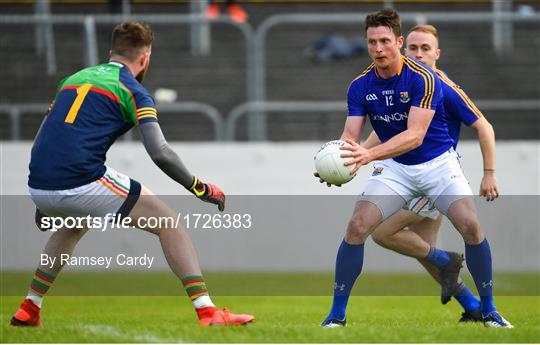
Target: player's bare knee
(358, 230)
(470, 229)
(469, 224)
(473, 237)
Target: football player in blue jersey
(419, 216)
(403, 99)
(69, 178)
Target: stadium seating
(219, 79)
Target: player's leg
(378, 201)
(428, 230)
(414, 237)
(58, 204)
(61, 242)
(390, 235)
(453, 198)
(461, 211)
(175, 242)
(182, 259)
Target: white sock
(203, 302)
(35, 298)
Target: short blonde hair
(428, 29)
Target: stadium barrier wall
(282, 171)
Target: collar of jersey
(116, 63)
(398, 72)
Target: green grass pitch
(132, 316)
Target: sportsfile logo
(371, 97)
(112, 221)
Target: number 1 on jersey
(82, 91)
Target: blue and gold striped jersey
(387, 103)
(92, 108)
(458, 107)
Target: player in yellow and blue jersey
(404, 100)
(419, 216)
(69, 178)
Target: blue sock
(438, 257)
(478, 259)
(350, 258)
(467, 299)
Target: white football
(329, 164)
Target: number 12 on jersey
(82, 91)
(389, 100)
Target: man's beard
(142, 74)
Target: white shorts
(423, 207)
(440, 179)
(114, 193)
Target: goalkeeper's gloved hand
(208, 192)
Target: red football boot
(27, 315)
(212, 316)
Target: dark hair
(387, 17)
(130, 38)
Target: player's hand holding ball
(359, 154)
(316, 174)
(331, 166)
(208, 192)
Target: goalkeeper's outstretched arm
(168, 161)
(163, 155)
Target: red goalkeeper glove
(208, 192)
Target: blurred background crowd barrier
(281, 76)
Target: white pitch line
(116, 333)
